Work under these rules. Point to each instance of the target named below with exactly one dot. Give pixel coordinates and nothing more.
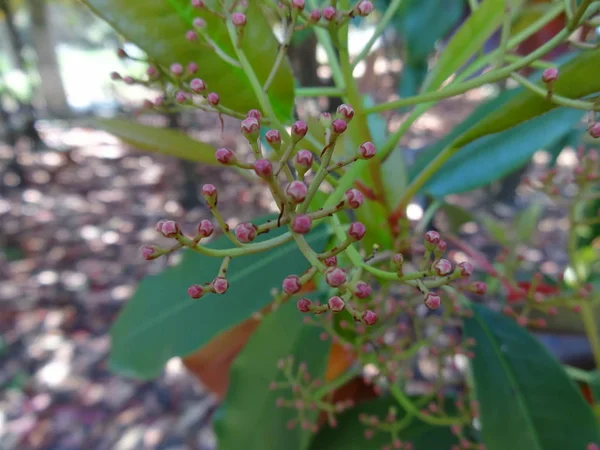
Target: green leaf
(527, 221)
(467, 41)
(161, 321)
(349, 434)
(249, 418)
(520, 387)
(493, 157)
(456, 216)
(577, 80)
(159, 26)
(158, 140)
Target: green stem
(574, 22)
(319, 92)
(410, 408)
(591, 330)
(337, 383)
(248, 249)
(289, 32)
(505, 34)
(381, 26)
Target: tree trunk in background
(52, 88)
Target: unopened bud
(115, 76)
(298, 4)
(331, 261)
(329, 13)
(432, 238)
(263, 168)
(304, 160)
(466, 269)
(432, 301)
(170, 229)
(479, 287)
(304, 305)
(325, 120)
(364, 8)
(273, 137)
(335, 276)
(205, 228)
(336, 304)
(220, 285)
(442, 267)
(152, 72)
(301, 224)
(299, 130)
(209, 192)
(296, 191)
(225, 156)
(238, 19)
(362, 290)
(197, 85)
(550, 75)
(345, 112)
(254, 113)
(213, 99)
(192, 68)
(176, 69)
(250, 128)
(595, 130)
(367, 150)
(199, 22)
(195, 291)
(149, 252)
(356, 231)
(369, 317)
(315, 15)
(191, 35)
(199, 4)
(339, 126)
(245, 232)
(291, 284)
(353, 198)
(181, 97)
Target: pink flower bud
(254, 113)
(238, 19)
(353, 198)
(356, 231)
(362, 290)
(192, 68)
(479, 287)
(170, 229)
(158, 226)
(209, 192)
(432, 237)
(195, 291)
(250, 127)
(181, 97)
(432, 301)
(176, 69)
(345, 112)
(220, 285)
(466, 269)
(304, 305)
(442, 267)
(225, 156)
(301, 224)
(592, 446)
(291, 284)
(336, 304)
(331, 261)
(191, 35)
(367, 150)
(152, 71)
(550, 75)
(325, 120)
(335, 276)
(304, 159)
(398, 259)
(263, 168)
(299, 130)
(115, 76)
(199, 22)
(364, 8)
(273, 137)
(441, 246)
(149, 252)
(245, 232)
(213, 99)
(329, 13)
(197, 85)
(198, 4)
(205, 228)
(298, 4)
(339, 126)
(595, 130)
(128, 80)
(296, 191)
(369, 317)
(315, 15)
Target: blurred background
(76, 204)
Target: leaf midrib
(512, 380)
(234, 277)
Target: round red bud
(225, 156)
(466, 269)
(220, 285)
(479, 287)
(170, 229)
(149, 252)
(245, 232)
(209, 192)
(254, 113)
(335, 276)
(199, 22)
(192, 68)
(298, 4)
(354, 198)
(304, 305)
(301, 224)
(315, 15)
(432, 301)
(442, 267)
(296, 191)
(195, 291)
(329, 13)
(198, 4)
(299, 130)
(181, 97)
(345, 112)
(362, 290)
(367, 150)
(263, 168)
(432, 237)
(273, 137)
(339, 126)
(595, 130)
(176, 69)
(364, 8)
(369, 317)
(238, 19)
(197, 85)
(336, 304)
(331, 261)
(550, 75)
(356, 231)
(250, 127)
(213, 99)
(205, 228)
(304, 159)
(115, 76)
(291, 284)
(191, 35)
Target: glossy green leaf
(249, 418)
(495, 229)
(521, 387)
(493, 157)
(467, 41)
(577, 80)
(158, 140)
(159, 27)
(349, 434)
(161, 321)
